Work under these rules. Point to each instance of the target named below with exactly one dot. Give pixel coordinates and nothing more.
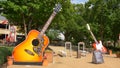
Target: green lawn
(4, 52)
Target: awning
(3, 22)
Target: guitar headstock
(88, 26)
(57, 8)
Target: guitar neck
(47, 24)
(93, 37)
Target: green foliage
(102, 15)
(114, 49)
(52, 34)
(4, 52)
(1, 59)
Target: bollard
(68, 45)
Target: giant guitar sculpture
(32, 48)
(97, 45)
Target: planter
(118, 54)
(49, 56)
(110, 52)
(9, 60)
(45, 62)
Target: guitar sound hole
(35, 42)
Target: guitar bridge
(37, 50)
(29, 52)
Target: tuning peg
(60, 9)
(55, 4)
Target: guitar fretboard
(47, 24)
(93, 37)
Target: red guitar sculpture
(32, 48)
(97, 45)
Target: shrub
(4, 52)
(1, 59)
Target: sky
(78, 1)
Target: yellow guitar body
(19, 53)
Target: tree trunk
(29, 25)
(67, 34)
(25, 27)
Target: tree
(114, 8)
(103, 16)
(28, 14)
(21, 12)
(33, 14)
